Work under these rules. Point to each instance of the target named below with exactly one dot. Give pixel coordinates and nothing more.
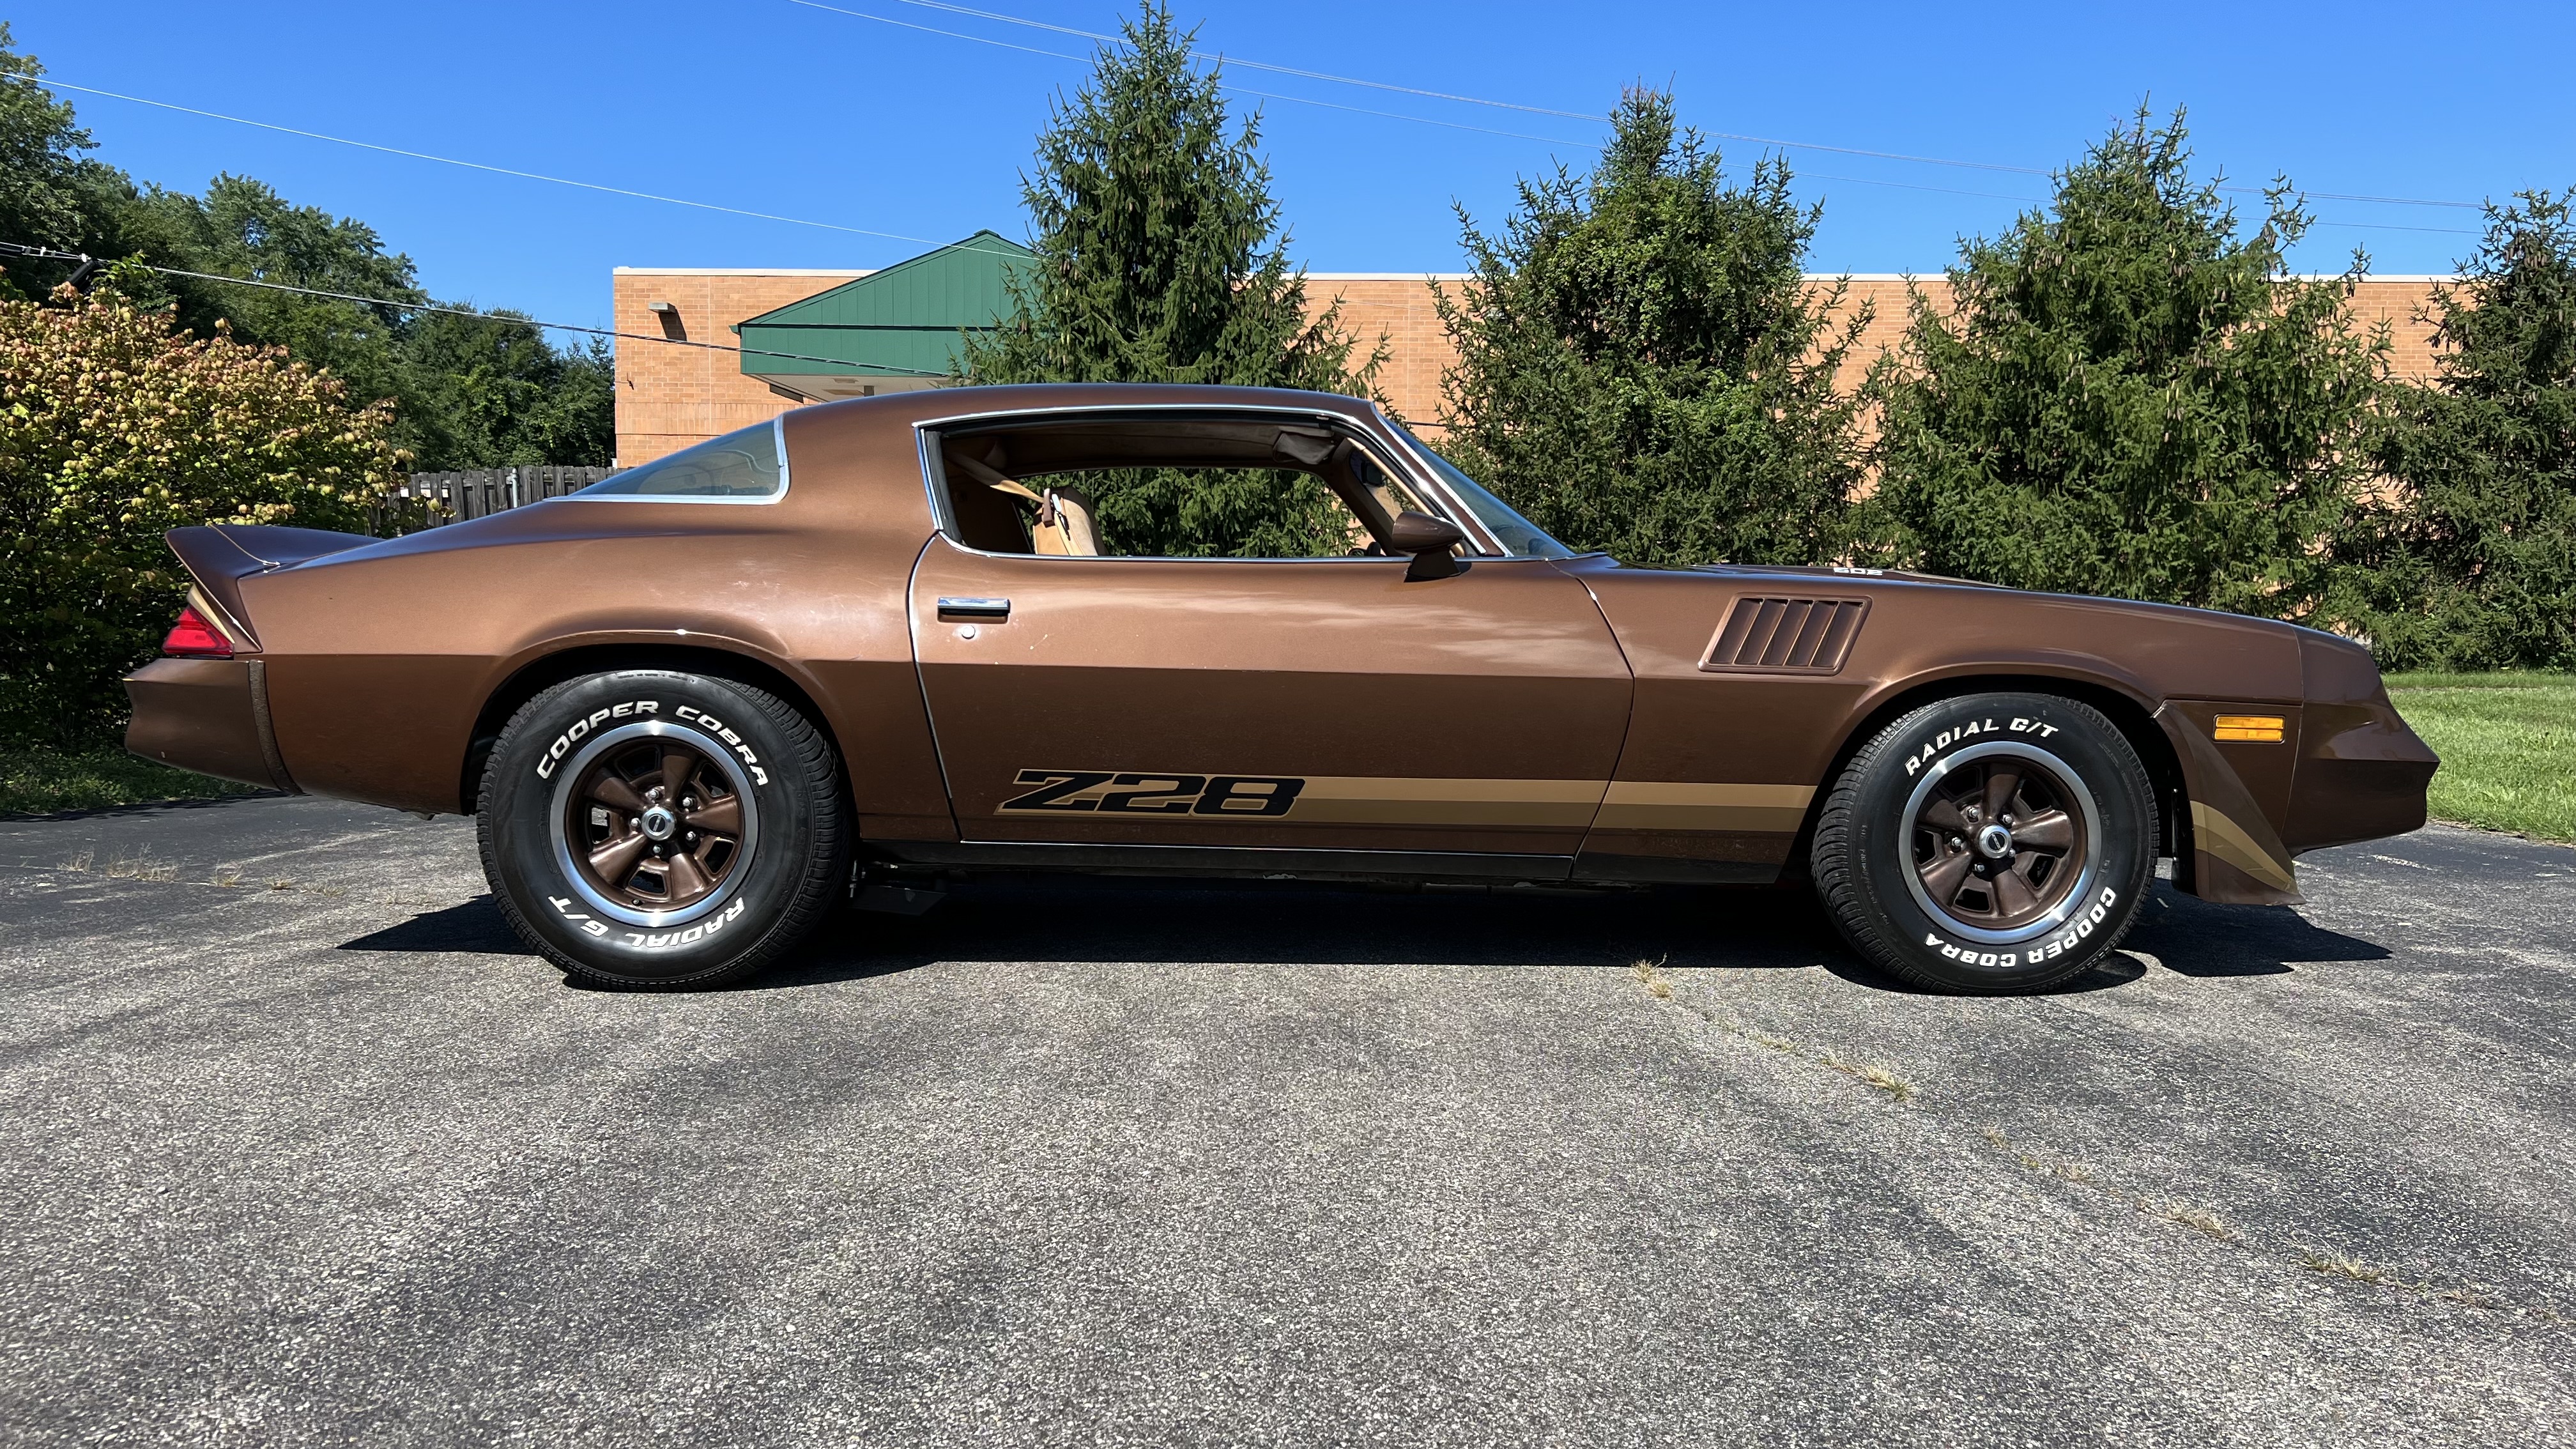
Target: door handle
(950, 608)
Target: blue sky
(773, 106)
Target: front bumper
(207, 715)
(2362, 772)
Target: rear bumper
(206, 715)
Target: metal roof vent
(1774, 635)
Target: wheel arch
(536, 675)
(2127, 710)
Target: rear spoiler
(220, 556)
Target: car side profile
(1217, 631)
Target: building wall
(669, 397)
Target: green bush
(113, 430)
(2467, 559)
(1642, 366)
(2127, 398)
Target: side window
(749, 466)
(1185, 488)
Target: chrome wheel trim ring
(1939, 770)
(574, 770)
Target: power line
(48, 254)
(1244, 90)
(1239, 90)
(481, 166)
(1224, 59)
(1365, 111)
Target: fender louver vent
(1786, 636)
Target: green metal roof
(901, 322)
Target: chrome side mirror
(1429, 540)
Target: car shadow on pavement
(1117, 921)
(1121, 921)
(474, 926)
(2197, 938)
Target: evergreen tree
(2126, 398)
(1160, 259)
(1642, 366)
(2467, 558)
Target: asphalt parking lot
(298, 1147)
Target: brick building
(669, 396)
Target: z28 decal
(1130, 793)
(1507, 804)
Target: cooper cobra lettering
(2075, 933)
(573, 734)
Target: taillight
(194, 637)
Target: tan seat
(1063, 526)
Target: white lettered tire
(651, 829)
(1991, 843)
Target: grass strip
(2508, 747)
(39, 781)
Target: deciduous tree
(113, 430)
(468, 393)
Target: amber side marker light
(194, 637)
(2264, 727)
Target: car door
(1310, 704)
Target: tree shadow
(142, 808)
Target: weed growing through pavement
(1877, 1075)
(2336, 1265)
(1874, 1074)
(2192, 1217)
(141, 866)
(2327, 1264)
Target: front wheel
(652, 829)
(1991, 843)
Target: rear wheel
(653, 829)
(1991, 843)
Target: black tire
(566, 821)
(1930, 902)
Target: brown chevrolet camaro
(876, 642)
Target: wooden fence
(426, 500)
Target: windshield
(1519, 537)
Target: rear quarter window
(749, 466)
